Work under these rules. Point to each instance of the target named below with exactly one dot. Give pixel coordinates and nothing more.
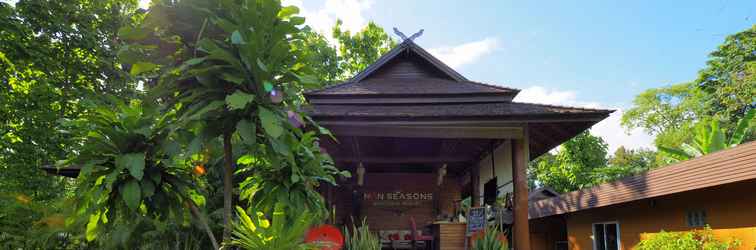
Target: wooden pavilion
(419, 137)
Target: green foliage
(360, 238)
(624, 163)
(33, 224)
(321, 56)
(709, 137)
(490, 240)
(573, 166)
(693, 240)
(352, 53)
(724, 90)
(55, 58)
(582, 162)
(363, 48)
(277, 233)
(130, 178)
(730, 77)
(667, 112)
(289, 179)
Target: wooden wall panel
(383, 218)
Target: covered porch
(419, 138)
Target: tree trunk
(228, 179)
(203, 222)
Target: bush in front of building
(360, 238)
(692, 240)
(491, 239)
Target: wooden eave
(728, 166)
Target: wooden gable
(407, 60)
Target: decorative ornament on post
(360, 175)
(441, 175)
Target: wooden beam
(389, 160)
(520, 158)
(428, 132)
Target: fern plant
(361, 238)
(279, 233)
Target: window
(696, 218)
(606, 236)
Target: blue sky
(586, 53)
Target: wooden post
(475, 182)
(520, 158)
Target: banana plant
(709, 137)
(277, 233)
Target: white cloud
(456, 56)
(609, 129)
(615, 135)
(323, 18)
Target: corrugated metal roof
(723, 167)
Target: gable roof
(408, 46)
(724, 167)
(408, 70)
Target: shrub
(277, 233)
(692, 240)
(361, 238)
(492, 239)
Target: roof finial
(405, 38)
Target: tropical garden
(186, 120)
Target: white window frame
(593, 232)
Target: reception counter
(449, 235)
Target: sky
(597, 54)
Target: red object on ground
(327, 235)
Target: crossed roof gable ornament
(405, 38)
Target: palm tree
(709, 137)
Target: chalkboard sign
(476, 220)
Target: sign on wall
(397, 199)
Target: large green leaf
(134, 162)
(270, 122)
(148, 188)
(207, 108)
(91, 232)
(288, 11)
(247, 131)
(141, 67)
(741, 130)
(238, 100)
(132, 194)
(132, 33)
(717, 140)
(675, 153)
